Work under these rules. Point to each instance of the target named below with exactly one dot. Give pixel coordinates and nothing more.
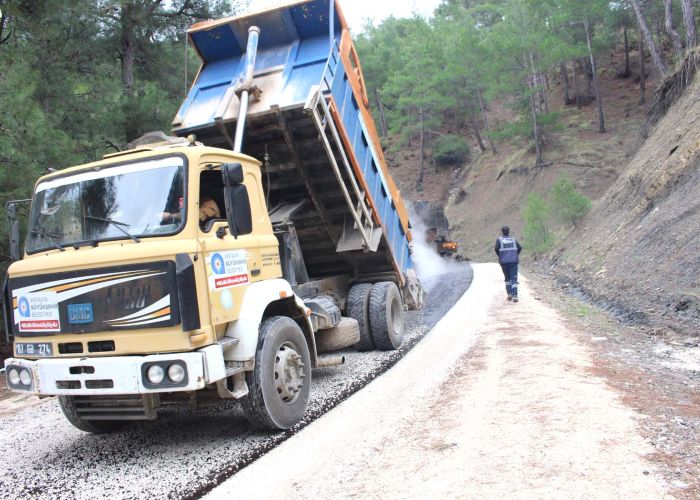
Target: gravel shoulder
(657, 375)
(500, 399)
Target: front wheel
(280, 384)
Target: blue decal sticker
(217, 264)
(80, 314)
(23, 307)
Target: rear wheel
(70, 410)
(358, 309)
(344, 334)
(386, 316)
(280, 383)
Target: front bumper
(115, 375)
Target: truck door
(232, 264)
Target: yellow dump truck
(175, 271)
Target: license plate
(40, 349)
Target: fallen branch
(585, 165)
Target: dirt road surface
(500, 399)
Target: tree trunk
(565, 82)
(659, 31)
(127, 50)
(422, 150)
(380, 107)
(576, 91)
(485, 121)
(127, 47)
(543, 94)
(642, 70)
(535, 121)
(3, 23)
(689, 20)
(536, 130)
(647, 36)
(475, 126)
(537, 80)
(596, 86)
(675, 37)
(627, 72)
(585, 67)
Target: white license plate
(40, 349)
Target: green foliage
(450, 150)
(569, 206)
(63, 99)
(536, 215)
(564, 203)
(520, 128)
(473, 51)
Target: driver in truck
(208, 209)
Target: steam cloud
(429, 265)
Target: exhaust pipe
(330, 361)
(244, 86)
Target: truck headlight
(25, 377)
(176, 373)
(13, 376)
(155, 374)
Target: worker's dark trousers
(510, 272)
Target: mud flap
(413, 292)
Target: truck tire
(280, 384)
(358, 309)
(386, 316)
(344, 334)
(69, 409)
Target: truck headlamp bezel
(19, 377)
(165, 366)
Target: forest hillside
(579, 125)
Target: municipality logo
(217, 264)
(24, 309)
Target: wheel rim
(396, 317)
(289, 373)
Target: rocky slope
(639, 248)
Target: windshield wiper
(51, 237)
(116, 224)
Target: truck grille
(136, 407)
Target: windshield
(115, 202)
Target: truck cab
(127, 288)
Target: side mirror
(11, 210)
(238, 213)
(232, 174)
(14, 241)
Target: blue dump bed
(308, 122)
